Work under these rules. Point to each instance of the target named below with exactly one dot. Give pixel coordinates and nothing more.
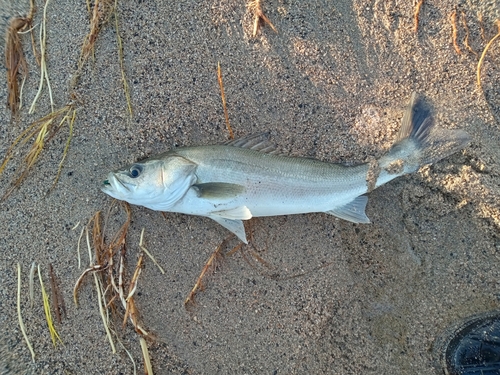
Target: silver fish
(246, 178)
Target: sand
(333, 297)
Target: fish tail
(420, 142)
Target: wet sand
(333, 297)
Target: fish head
(157, 183)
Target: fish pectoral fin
(218, 190)
(238, 213)
(235, 226)
(353, 211)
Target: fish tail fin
(420, 142)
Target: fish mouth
(114, 186)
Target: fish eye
(135, 170)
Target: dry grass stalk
(44, 76)
(145, 354)
(481, 59)
(54, 294)
(223, 97)
(101, 301)
(417, 15)
(48, 316)
(19, 316)
(32, 283)
(143, 248)
(256, 8)
(126, 87)
(57, 298)
(78, 248)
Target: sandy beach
(322, 295)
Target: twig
(21, 324)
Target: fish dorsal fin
(237, 213)
(353, 211)
(257, 142)
(220, 190)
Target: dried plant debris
(46, 127)
(101, 12)
(255, 7)
(41, 131)
(212, 264)
(15, 61)
(250, 253)
(107, 264)
(466, 40)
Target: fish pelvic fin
(420, 142)
(234, 226)
(353, 211)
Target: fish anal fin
(234, 226)
(237, 213)
(218, 190)
(353, 211)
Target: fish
(247, 177)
